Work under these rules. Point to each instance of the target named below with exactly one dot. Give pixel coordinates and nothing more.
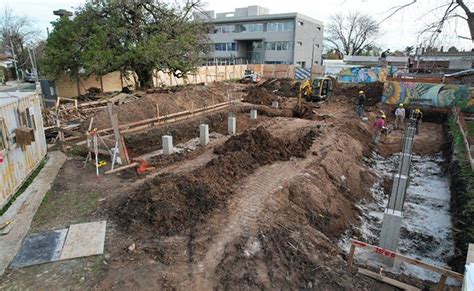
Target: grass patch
(460, 154)
(65, 207)
(23, 187)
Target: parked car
(30, 78)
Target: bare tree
(16, 34)
(451, 9)
(352, 33)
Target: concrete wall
(308, 34)
(20, 161)
(437, 95)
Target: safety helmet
(417, 110)
(400, 105)
(383, 116)
(361, 92)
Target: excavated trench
(426, 232)
(427, 227)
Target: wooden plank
(442, 283)
(387, 280)
(116, 170)
(436, 269)
(415, 262)
(351, 255)
(118, 138)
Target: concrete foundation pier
(275, 104)
(253, 114)
(390, 234)
(203, 134)
(167, 141)
(231, 125)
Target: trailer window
(27, 118)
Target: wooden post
(350, 260)
(441, 283)
(118, 138)
(157, 111)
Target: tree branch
(396, 9)
(463, 6)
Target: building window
(278, 62)
(317, 45)
(279, 46)
(224, 29)
(3, 135)
(301, 64)
(299, 43)
(251, 27)
(225, 47)
(300, 23)
(280, 26)
(319, 28)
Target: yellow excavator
(318, 89)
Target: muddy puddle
(426, 232)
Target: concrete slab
(40, 248)
(24, 208)
(84, 239)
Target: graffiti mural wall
(366, 75)
(438, 95)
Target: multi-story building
(252, 35)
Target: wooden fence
(115, 81)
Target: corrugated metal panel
(20, 161)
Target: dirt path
(254, 195)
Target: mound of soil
(170, 100)
(373, 91)
(170, 204)
(282, 87)
(259, 95)
(304, 111)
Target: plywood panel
(84, 239)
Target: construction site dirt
(262, 209)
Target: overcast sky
(398, 32)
